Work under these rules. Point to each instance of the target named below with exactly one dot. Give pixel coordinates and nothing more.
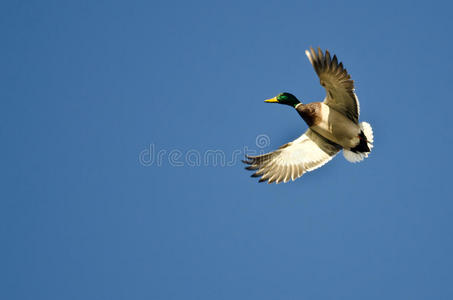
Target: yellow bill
(273, 100)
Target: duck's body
(330, 124)
(333, 126)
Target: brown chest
(311, 113)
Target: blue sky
(87, 86)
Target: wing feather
(308, 152)
(337, 82)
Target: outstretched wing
(337, 82)
(290, 161)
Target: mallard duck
(333, 126)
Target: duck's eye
(283, 97)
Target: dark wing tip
(251, 168)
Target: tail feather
(368, 132)
(363, 149)
(353, 156)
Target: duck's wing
(290, 161)
(337, 82)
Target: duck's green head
(284, 98)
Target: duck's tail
(361, 151)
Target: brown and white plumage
(333, 125)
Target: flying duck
(333, 126)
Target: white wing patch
(308, 152)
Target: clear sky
(92, 91)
